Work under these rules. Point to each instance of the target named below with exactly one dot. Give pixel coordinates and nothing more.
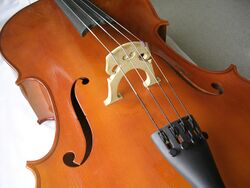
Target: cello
(123, 101)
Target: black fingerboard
(83, 14)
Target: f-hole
(69, 157)
(218, 87)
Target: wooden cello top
(49, 55)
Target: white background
(21, 138)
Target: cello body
(50, 56)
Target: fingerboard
(83, 14)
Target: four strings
(130, 84)
(148, 89)
(168, 82)
(126, 78)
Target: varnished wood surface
(42, 45)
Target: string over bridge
(127, 62)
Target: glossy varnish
(49, 55)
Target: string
(158, 67)
(159, 85)
(126, 78)
(148, 89)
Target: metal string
(164, 93)
(126, 78)
(148, 89)
(124, 28)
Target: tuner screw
(173, 152)
(185, 145)
(195, 139)
(205, 135)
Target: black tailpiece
(184, 145)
